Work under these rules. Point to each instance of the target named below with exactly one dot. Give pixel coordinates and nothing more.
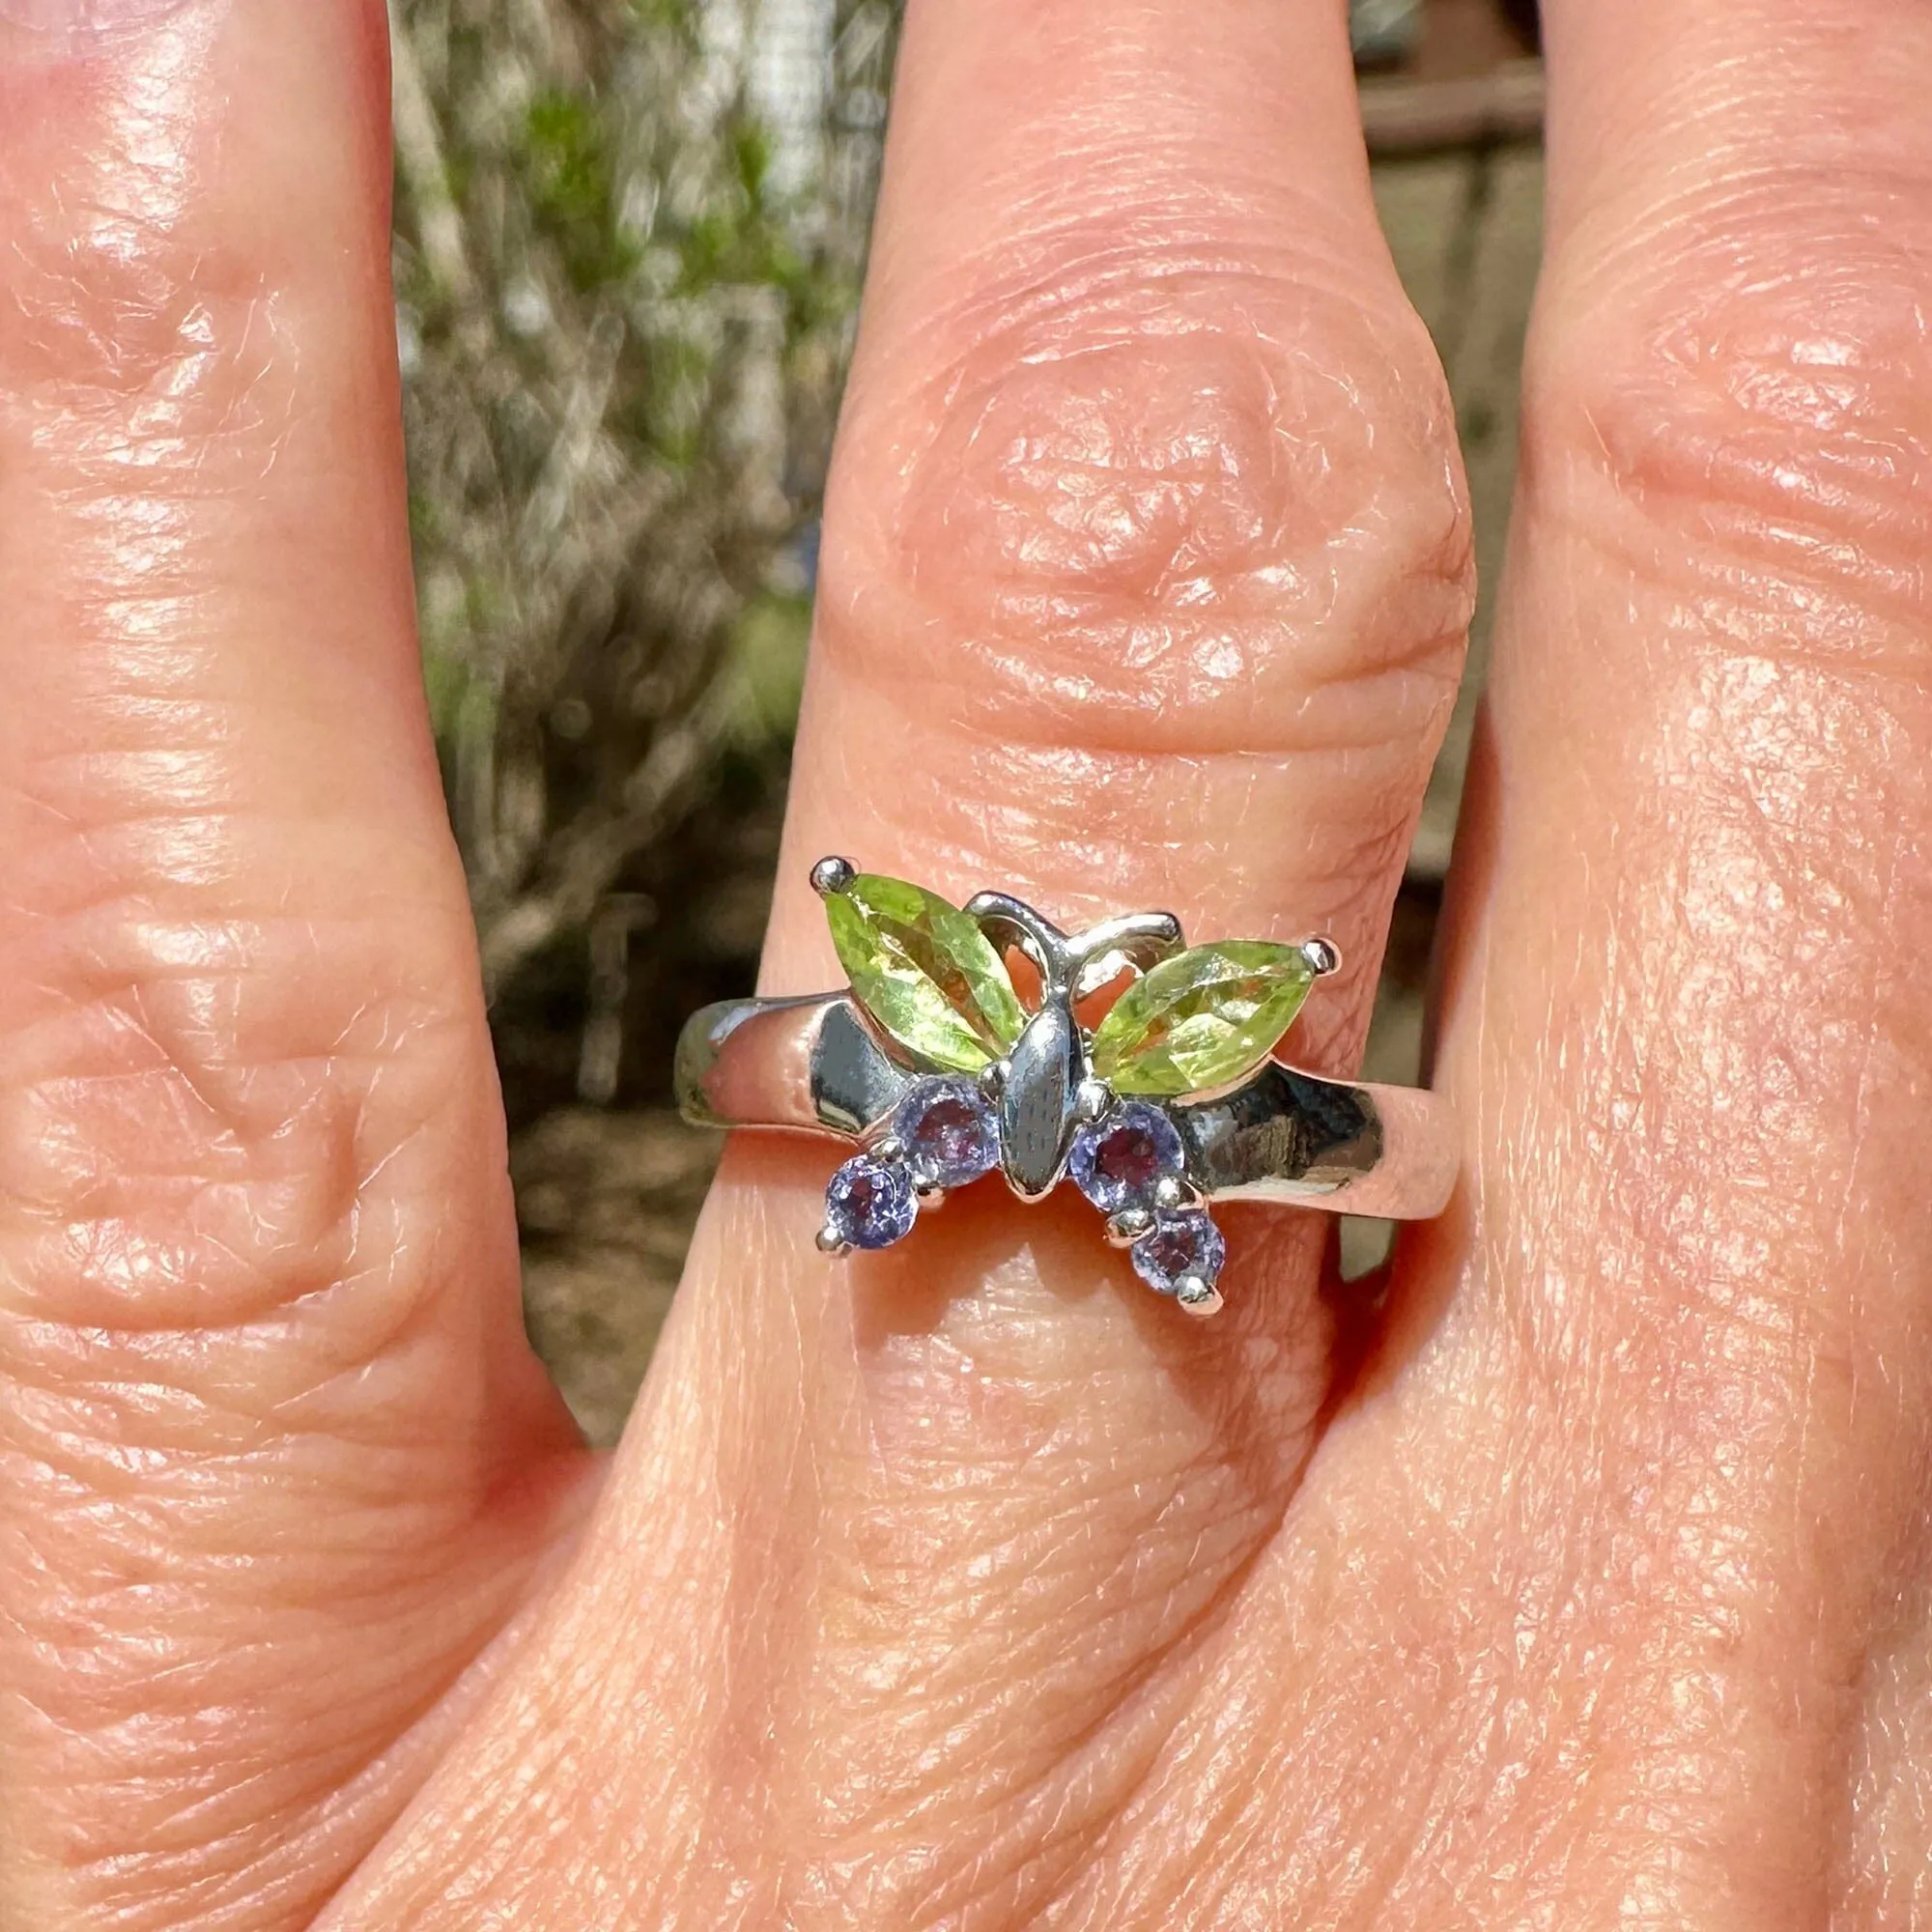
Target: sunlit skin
(1579, 1583)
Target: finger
(276, 1461)
(1145, 578)
(1731, 527)
(1604, 1569)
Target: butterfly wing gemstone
(947, 1132)
(869, 1203)
(1179, 1248)
(1119, 1161)
(924, 972)
(1202, 1019)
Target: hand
(1581, 1584)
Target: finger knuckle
(1750, 378)
(1183, 501)
(132, 343)
(199, 1128)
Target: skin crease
(1580, 1584)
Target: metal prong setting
(832, 875)
(1201, 1298)
(1173, 1191)
(830, 1242)
(1142, 940)
(1092, 1099)
(1323, 956)
(1126, 1227)
(993, 1078)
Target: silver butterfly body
(1045, 1087)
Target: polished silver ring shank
(812, 1066)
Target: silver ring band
(812, 1066)
(946, 1068)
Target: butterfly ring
(1140, 1067)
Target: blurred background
(630, 236)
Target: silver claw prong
(993, 1078)
(1141, 940)
(1173, 1192)
(1323, 956)
(1200, 1298)
(833, 875)
(1010, 921)
(1092, 1099)
(1126, 1227)
(931, 1196)
(831, 1242)
(888, 1147)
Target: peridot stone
(925, 972)
(1203, 1018)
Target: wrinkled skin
(1582, 1584)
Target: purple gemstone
(1178, 1244)
(949, 1132)
(1117, 1161)
(870, 1202)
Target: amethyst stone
(1179, 1244)
(1117, 1161)
(869, 1202)
(947, 1132)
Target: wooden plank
(1406, 117)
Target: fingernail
(73, 24)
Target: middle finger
(1144, 585)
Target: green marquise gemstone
(1203, 1018)
(925, 972)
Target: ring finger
(1145, 577)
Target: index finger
(264, 1390)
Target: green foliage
(572, 185)
(768, 648)
(624, 299)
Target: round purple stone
(869, 1202)
(1187, 1243)
(947, 1131)
(1117, 1161)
